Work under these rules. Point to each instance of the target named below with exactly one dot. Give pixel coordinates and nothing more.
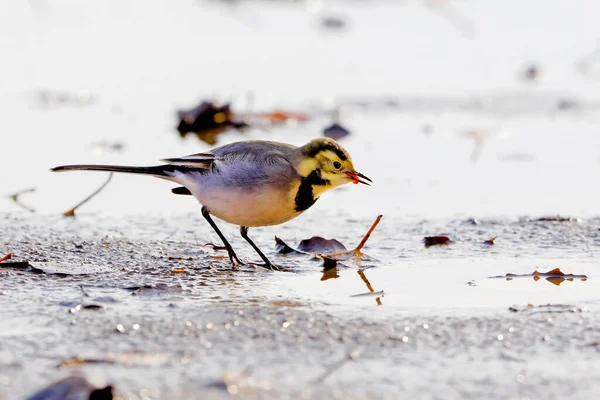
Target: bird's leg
(232, 256)
(268, 264)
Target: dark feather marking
(305, 197)
(182, 190)
(159, 170)
(314, 150)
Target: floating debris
(80, 307)
(158, 288)
(278, 117)
(555, 276)
(52, 98)
(18, 265)
(6, 257)
(558, 219)
(105, 146)
(15, 197)
(73, 388)
(547, 308)
(531, 73)
(330, 250)
(207, 120)
(490, 241)
(54, 269)
(71, 212)
(436, 241)
(333, 22)
(335, 131)
(132, 358)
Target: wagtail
(252, 183)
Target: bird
(251, 183)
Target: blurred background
(452, 107)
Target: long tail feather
(159, 170)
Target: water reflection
(555, 276)
(331, 272)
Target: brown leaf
(283, 248)
(490, 241)
(318, 245)
(436, 241)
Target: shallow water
(457, 143)
(194, 317)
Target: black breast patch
(305, 197)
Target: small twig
(371, 229)
(71, 212)
(15, 197)
(6, 257)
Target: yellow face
(332, 163)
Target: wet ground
(154, 315)
(473, 119)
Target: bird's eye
(337, 165)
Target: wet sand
(173, 328)
(444, 115)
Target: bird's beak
(357, 177)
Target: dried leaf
(318, 245)
(335, 131)
(490, 241)
(207, 120)
(436, 241)
(178, 271)
(283, 248)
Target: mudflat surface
(159, 316)
(474, 120)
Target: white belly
(249, 208)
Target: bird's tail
(161, 171)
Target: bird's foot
(235, 262)
(270, 266)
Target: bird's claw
(269, 266)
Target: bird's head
(325, 160)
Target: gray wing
(200, 160)
(254, 163)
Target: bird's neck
(311, 187)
